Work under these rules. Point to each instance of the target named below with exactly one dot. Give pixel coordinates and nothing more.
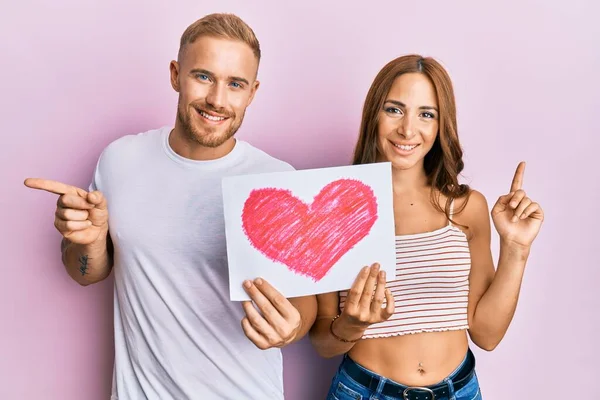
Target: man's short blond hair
(226, 26)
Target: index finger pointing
(517, 181)
(53, 186)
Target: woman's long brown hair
(444, 161)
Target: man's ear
(174, 69)
(255, 86)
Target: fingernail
(514, 219)
(382, 274)
(523, 216)
(258, 281)
(247, 284)
(89, 223)
(513, 204)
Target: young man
(154, 212)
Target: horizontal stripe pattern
(431, 286)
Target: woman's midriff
(414, 360)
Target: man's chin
(212, 140)
(211, 136)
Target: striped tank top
(431, 286)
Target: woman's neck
(409, 180)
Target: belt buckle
(424, 389)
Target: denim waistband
(453, 382)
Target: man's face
(216, 81)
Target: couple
(154, 212)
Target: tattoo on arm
(83, 267)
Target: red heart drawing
(309, 239)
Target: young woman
(407, 339)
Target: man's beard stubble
(206, 138)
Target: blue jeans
(343, 387)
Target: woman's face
(408, 122)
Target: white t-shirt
(177, 334)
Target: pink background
(77, 74)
